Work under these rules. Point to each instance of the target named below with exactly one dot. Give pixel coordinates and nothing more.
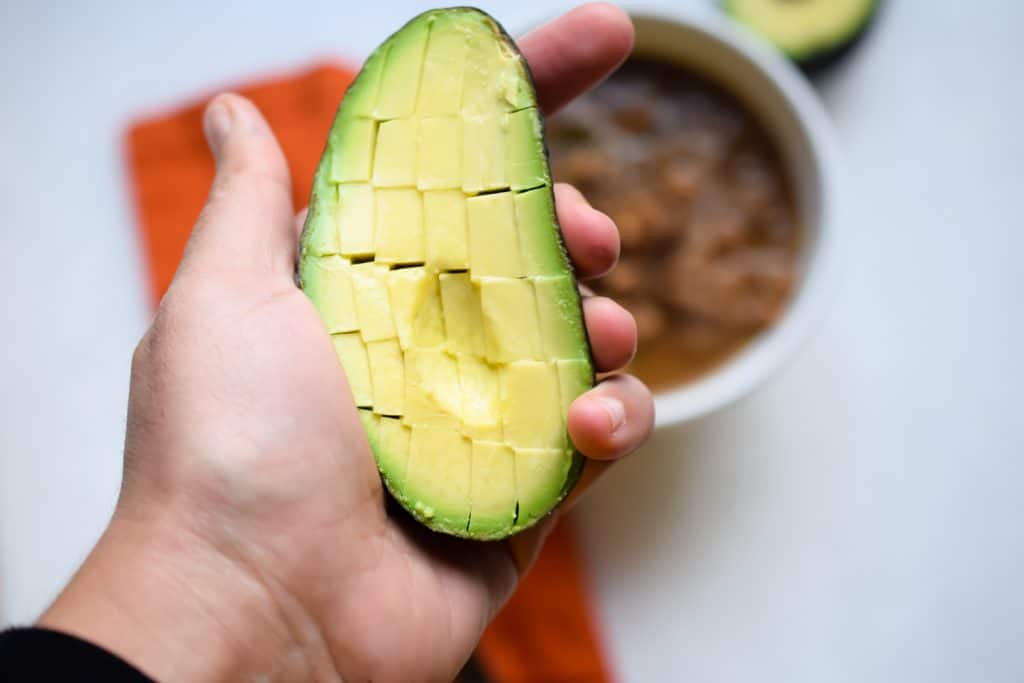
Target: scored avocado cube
(361, 96)
(387, 373)
(440, 157)
(511, 326)
(575, 378)
(443, 67)
(492, 489)
(437, 479)
(416, 307)
(495, 79)
(531, 405)
(433, 395)
(484, 168)
(428, 324)
(370, 421)
(527, 162)
(352, 353)
(406, 291)
(394, 162)
(540, 246)
(558, 310)
(444, 218)
(392, 452)
(371, 425)
(399, 231)
(330, 290)
(480, 387)
(541, 475)
(373, 308)
(483, 65)
(353, 157)
(493, 242)
(463, 320)
(400, 75)
(355, 219)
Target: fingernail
(616, 411)
(217, 125)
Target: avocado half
(810, 32)
(432, 252)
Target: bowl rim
(770, 350)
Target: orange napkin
(546, 632)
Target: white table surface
(857, 519)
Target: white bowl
(781, 99)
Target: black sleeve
(36, 654)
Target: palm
(427, 599)
(304, 503)
(422, 596)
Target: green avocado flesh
(804, 29)
(432, 252)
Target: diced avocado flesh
(432, 253)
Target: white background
(858, 519)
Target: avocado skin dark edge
(578, 460)
(813, 63)
(818, 62)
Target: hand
(251, 536)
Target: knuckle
(250, 186)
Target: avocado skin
(819, 62)
(817, 59)
(317, 204)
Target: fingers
(591, 237)
(524, 547)
(612, 333)
(612, 419)
(247, 221)
(575, 51)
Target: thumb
(247, 221)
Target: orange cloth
(546, 632)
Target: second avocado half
(813, 33)
(432, 253)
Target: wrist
(164, 600)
